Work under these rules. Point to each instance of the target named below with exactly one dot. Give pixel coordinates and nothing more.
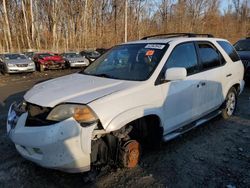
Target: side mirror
(172, 74)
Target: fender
(130, 115)
(231, 84)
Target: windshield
(243, 45)
(14, 56)
(71, 55)
(128, 62)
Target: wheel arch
(237, 85)
(129, 116)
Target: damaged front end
(15, 111)
(63, 145)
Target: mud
(216, 154)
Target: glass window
(242, 45)
(14, 56)
(209, 56)
(183, 55)
(229, 49)
(128, 62)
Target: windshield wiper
(104, 75)
(98, 75)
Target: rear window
(229, 49)
(209, 56)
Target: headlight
(31, 64)
(81, 113)
(10, 65)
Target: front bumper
(64, 146)
(20, 69)
(242, 85)
(53, 65)
(78, 64)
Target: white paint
(118, 102)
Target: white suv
(131, 98)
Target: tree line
(79, 24)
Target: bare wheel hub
(130, 154)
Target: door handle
(229, 75)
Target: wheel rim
(231, 103)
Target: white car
(133, 97)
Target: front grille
(22, 65)
(37, 116)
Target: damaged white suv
(133, 97)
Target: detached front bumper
(53, 65)
(64, 146)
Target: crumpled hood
(244, 55)
(74, 88)
(53, 58)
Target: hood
(244, 55)
(76, 59)
(74, 88)
(18, 61)
(53, 58)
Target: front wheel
(230, 104)
(41, 68)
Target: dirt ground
(216, 154)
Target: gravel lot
(216, 154)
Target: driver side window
(184, 55)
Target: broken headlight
(81, 113)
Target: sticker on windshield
(155, 46)
(150, 53)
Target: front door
(182, 97)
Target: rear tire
(230, 104)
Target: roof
(176, 39)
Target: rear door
(212, 72)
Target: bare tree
(7, 26)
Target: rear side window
(229, 49)
(209, 56)
(184, 55)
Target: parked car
(74, 59)
(129, 99)
(243, 49)
(48, 60)
(29, 54)
(91, 55)
(102, 50)
(15, 63)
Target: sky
(224, 4)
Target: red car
(48, 60)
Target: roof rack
(173, 35)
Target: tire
(41, 68)
(230, 104)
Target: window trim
(159, 80)
(216, 49)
